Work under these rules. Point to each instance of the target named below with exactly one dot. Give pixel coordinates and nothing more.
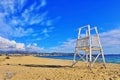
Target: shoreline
(64, 58)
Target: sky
(52, 25)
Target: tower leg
(96, 58)
(90, 64)
(87, 57)
(103, 58)
(74, 59)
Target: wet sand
(33, 68)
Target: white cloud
(17, 18)
(9, 30)
(111, 41)
(6, 44)
(43, 3)
(34, 18)
(67, 46)
(111, 37)
(49, 23)
(38, 39)
(40, 18)
(8, 25)
(33, 47)
(19, 32)
(46, 31)
(22, 3)
(7, 6)
(13, 25)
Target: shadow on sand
(45, 66)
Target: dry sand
(33, 68)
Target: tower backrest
(87, 38)
(94, 41)
(83, 42)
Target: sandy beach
(33, 68)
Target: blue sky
(51, 25)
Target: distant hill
(33, 53)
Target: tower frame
(88, 44)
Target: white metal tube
(86, 33)
(92, 28)
(84, 26)
(90, 52)
(74, 59)
(95, 59)
(81, 57)
(87, 56)
(79, 30)
(75, 55)
(101, 51)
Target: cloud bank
(6, 44)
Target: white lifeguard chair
(88, 43)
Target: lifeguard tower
(88, 43)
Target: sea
(110, 58)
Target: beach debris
(7, 57)
(88, 43)
(7, 64)
(47, 79)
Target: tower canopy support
(88, 46)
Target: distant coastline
(25, 53)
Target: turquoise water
(108, 58)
